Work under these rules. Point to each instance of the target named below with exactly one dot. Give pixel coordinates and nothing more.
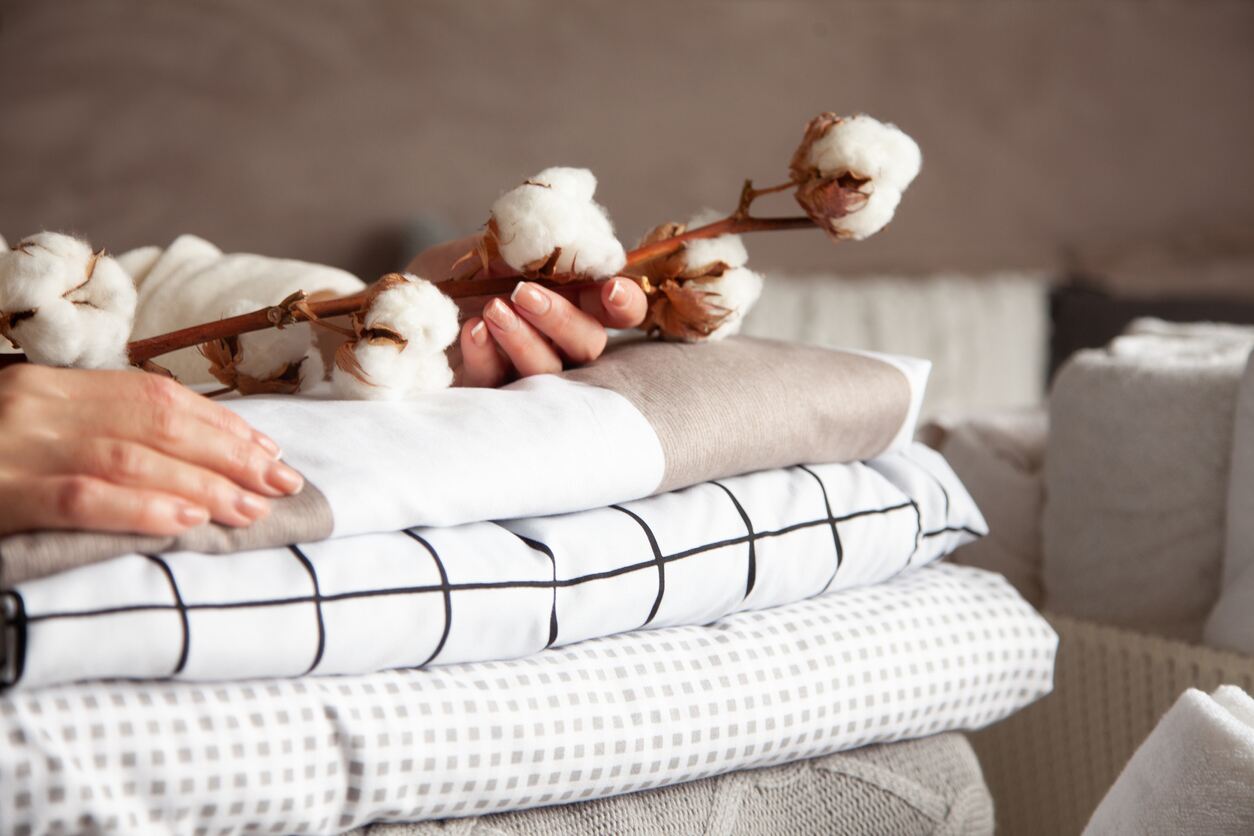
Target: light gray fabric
(1231, 622)
(927, 786)
(1136, 477)
(999, 457)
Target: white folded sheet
(939, 649)
(488, 591)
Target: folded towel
(486, 591)
(998, 457)
(647, 417)
(192, 281)
(1231, 622)
(1193, 774)
(1136, 477)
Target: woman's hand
(127, 451)
(538, 330)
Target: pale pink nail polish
(528, 297)
(500, 315)
(268, 444)
(617, 296)
(479, 334)
(191, 515)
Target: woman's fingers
(576, 334)
(177, 434)
(618, 303)
(84, 502)
(128, 464)
(150, 389)
(482, 363)
(529, 353)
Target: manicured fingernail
(283, 478)
(479, 334)
(528, 297)
(617, 295)
(251, 505)
(500, 315)
(191, 515)
(268, 444)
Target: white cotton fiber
(67, 305)
(729, 249)
(555, 211)
(737, 290)
(879, 209)
(428, 322)
(264, 354)
(869, 149)
(881, 159)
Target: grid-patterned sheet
(493, 591)
(942, 648)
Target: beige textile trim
(293, 519)
(740, 405)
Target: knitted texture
(927, 786)
(1049, 765)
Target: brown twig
(296, 308)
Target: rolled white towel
(1136, 477)
(192, 281)
(1193, 774)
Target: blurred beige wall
(316, 129)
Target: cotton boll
(869, 149)
(728, 249)
(578, 184)
(736, 291)
(64, 304)
(879, 209)
(418, 311)
(402, 337)
(312, 371)
(851, 172)
(553, 212)
(391, 374)
(264, 354)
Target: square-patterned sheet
(942, 648)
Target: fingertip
(482, 365)
(474, 334)
(624, 303)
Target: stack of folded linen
(676, 563)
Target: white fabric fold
(1193, 774)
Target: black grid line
(827, 506)
(657, 559)
(185, 649)
(317, 602)
(445, 588)
(544, 549)
(752, 571)
(954, 529)
(17, 622)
